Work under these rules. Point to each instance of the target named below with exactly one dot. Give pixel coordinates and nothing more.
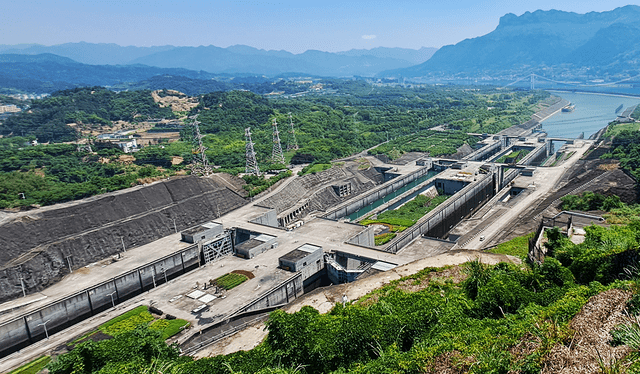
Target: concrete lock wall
(484, 152)
(269, 218)
(283, 293)
(440, 220)
(377, 194)
(30, 327)
(534, 156)
(365, 238)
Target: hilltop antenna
(293, 143)
(252, 164)
(200, 163)
(277, 157)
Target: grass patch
(169, 328)
(127, 324)
(616, 129)
(230, 280)
(315, 168)
(123, 316)
(408, 214)
(384, 238)
(518, 247)
(33, 367)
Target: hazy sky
(294, 26)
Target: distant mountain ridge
(235, 59)
(602, 42)
(46, 73)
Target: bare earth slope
(38, 244)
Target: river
(592, 113)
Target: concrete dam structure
(41, 247)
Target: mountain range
(543, 41)
(235, 59)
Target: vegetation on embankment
(618, 212)
(327, 127)
(405, 216)
(625, 147)
(435, 143)
(476, 318)
(48, 174)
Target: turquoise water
(368, 208)
(592, 113)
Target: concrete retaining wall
(364, 238)
(30, 327)
(283, 293)
(379, 193)
(484, 152)
(440, 220)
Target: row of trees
(416, 324)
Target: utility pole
(165, 274)
(123, 247)
(175, 228)
(153, 276)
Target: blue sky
(294, 26)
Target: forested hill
(342, 118)
(604, 43)
(48, 119)
(357, 117)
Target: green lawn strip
(616, 129)
(230, 280)
(518, 247)
(169, 327)
(32, 367)
(123, 316)
(384, 238)
(405, 216)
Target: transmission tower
(277, 157)
(200, 164)
(533, 82)
(293, 143)
(252, 164)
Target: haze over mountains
(544, 41)
(237, 59)
(550, 43)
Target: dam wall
(41, 246)
(356, 204)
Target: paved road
(542, 183)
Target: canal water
(368, 208)
(592, 113)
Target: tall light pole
(123, 247)
(175, 228)
(69, 263)
(112, 302)
(46, 333)
(24, 293)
